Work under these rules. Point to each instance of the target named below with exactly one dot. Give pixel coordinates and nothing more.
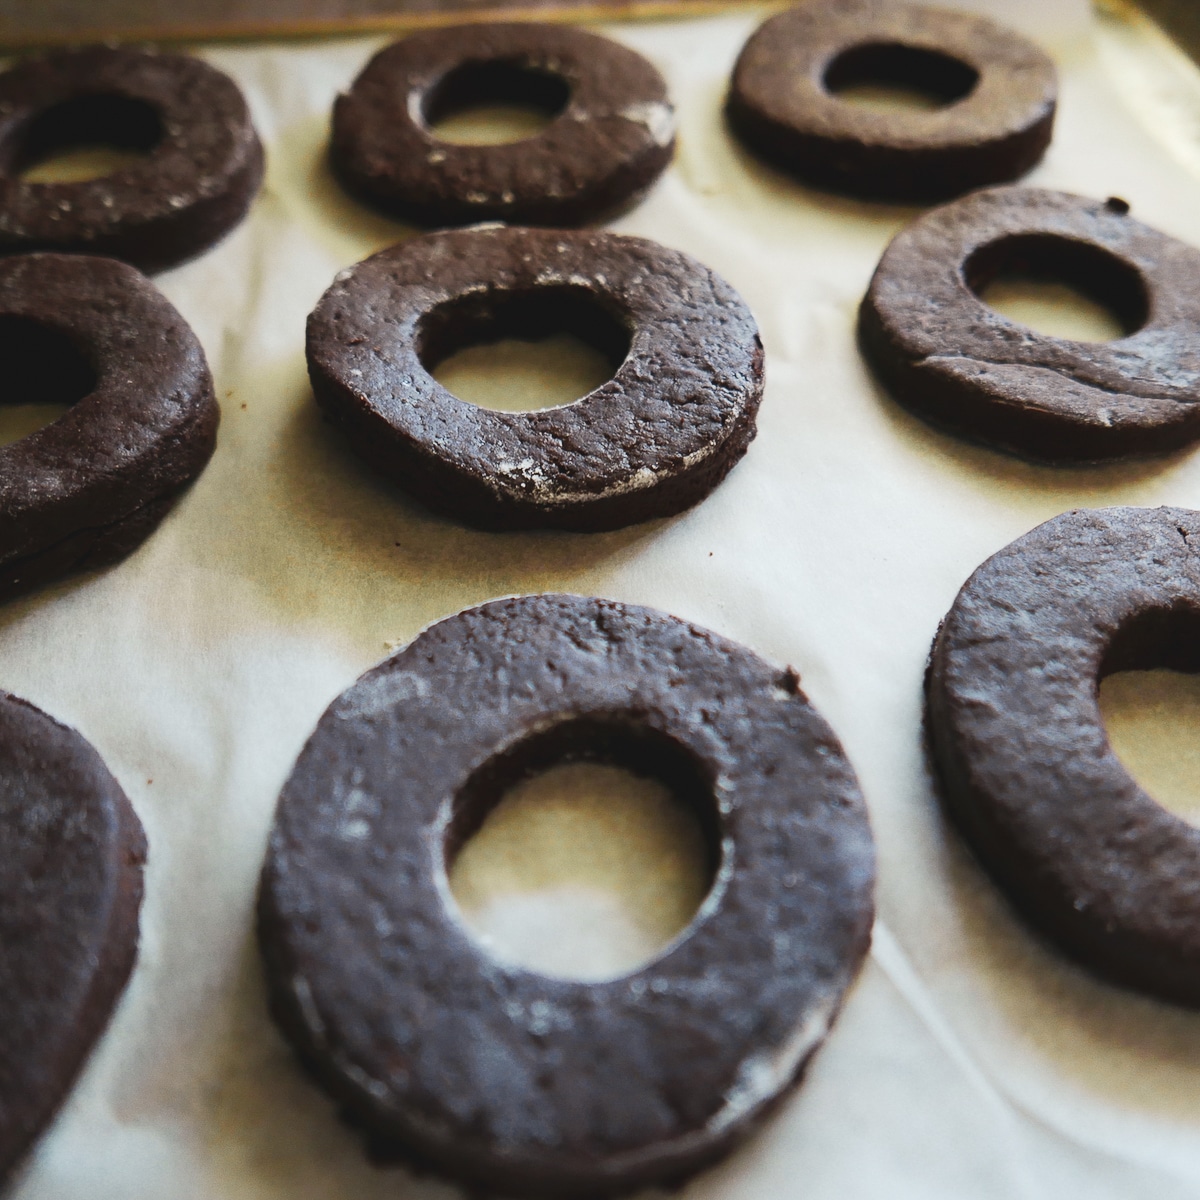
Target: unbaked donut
(202, 167)
(998, 91)
(70, 890)
(517, 1082)
(86, 490)
(655, 439)
(1025, 767)
(612, 133)
(959, 364)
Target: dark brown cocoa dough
(999, 92)
(957, 363)
(612, 135)
(203, 166)
(516, 1082)
(86, 490)
(652, 441)
(1025, 767)
(70, 890)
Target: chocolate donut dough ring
(1027, 773)
(999, 91)
(652, 441)
(613, 137)
(517, 1082)
(203, 164)
(70, 890)
(957, 363)
(87, 489)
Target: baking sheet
(970, 1061)
(68, 22)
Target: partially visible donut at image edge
(658, 437)
(610, 136)
(998, 93)
(87, 489)
(70, 892)
(1024, 766)
(516, 1082)
(955, 362)
(201, 167)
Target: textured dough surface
(613, 138)
(782, 106)
(70, 888)
(88, 488)
(1026, 766)
(192, 187)
(659, 436)
(512, 1080)
(955, 361)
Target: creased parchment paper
(970, 1060)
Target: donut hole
(585, 850)
(493, 103)
(86, 137)
(1149, 696)
(1059, 287)
(42, 374)
(889, 76)
(523, 351)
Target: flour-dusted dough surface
(970, 1061)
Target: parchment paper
(970, 1061)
